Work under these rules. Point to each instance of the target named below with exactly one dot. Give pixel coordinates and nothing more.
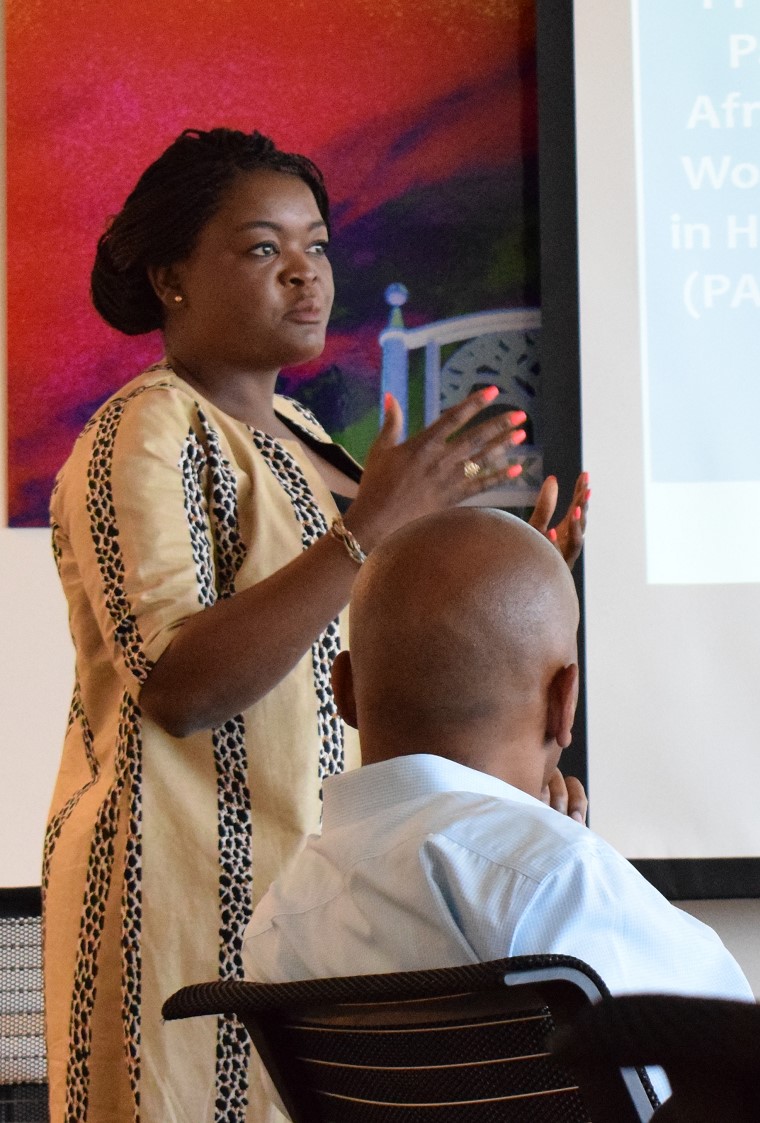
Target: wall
(36, 674)
(736, 922)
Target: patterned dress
(157, 847)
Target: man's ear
(343, 688)
(166, 285)
(563, 698)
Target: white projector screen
(668, 161)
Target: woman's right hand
(426, 473)
(227, 657)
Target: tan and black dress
(157, 846)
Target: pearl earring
(178, 298)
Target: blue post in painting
(432, 381)
(394, 378)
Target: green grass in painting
(357, 437)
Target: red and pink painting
(421, 114)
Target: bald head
(461, 623)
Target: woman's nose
(298, 269)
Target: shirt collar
(355, 795)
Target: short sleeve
(139, 519)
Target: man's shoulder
(525, 836)
(462, 822)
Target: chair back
(709, 1048)
(450, 1045)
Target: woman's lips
(306, 313)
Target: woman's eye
(319, 248)
(264, 249)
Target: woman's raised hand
(437, 468)
(567, 536)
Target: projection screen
(667, 99)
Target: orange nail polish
(553, 535)
(388, 401)
(577, 513)
(514, 470)
(517, 416)
(489, 393)
(518, 436)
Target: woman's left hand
(567, 536)
(567, 795)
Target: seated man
(462, 679)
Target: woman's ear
(563, 698)
(166, 285)
(343, 688)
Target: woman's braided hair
(173, 200)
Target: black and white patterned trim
(131, 901)
(55, 826)
(193, 466)
(104, 531)
(218, 551)
(99, 878)
(55, 534)
(306, 414)
(327, 645)
(126, 789)
(77, 1082)
(233, 1045)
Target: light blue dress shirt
(425, 863)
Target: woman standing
(198, 536)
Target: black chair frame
(447, 1045)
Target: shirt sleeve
(597, 907)
(141, 524)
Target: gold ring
(471, 469)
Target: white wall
(36, 674)
(737, 923)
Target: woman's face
(257, 289)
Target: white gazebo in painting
(500, 348)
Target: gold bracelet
(341, 532)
